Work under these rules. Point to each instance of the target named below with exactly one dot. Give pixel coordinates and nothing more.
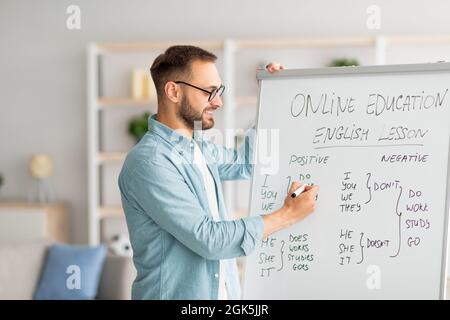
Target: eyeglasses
(212, 94)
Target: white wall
(43, 72)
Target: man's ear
(172, 91)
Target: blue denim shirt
(176, 243)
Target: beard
(192, 118)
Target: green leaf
(138, 126)
(344, 62)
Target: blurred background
(76, 92)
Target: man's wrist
(277, 220)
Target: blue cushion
(71, 272)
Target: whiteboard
(376, 141)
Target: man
(184, 244)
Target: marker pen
(299, 190)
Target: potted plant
(2, 180)
(344, 62)
(138, 126)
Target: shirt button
(216, 275)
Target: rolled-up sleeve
(254, 231)
(163, 195)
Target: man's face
(194, 104)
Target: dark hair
(174, 62)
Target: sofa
(21, 264)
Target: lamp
(41, 168)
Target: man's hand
(293, 210)
(274, 66)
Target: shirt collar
(177, 140)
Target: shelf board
(111, 212)
(418, 40)
(117, 211)
(16, 204)
(279, 43)
(111, 157)
(126, 102)
(240, 213)
(246, 101)
(140, 46)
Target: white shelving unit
(239, 100)
(98, 105)
(98, 158)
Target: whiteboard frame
(393, 68)
(262, 75)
